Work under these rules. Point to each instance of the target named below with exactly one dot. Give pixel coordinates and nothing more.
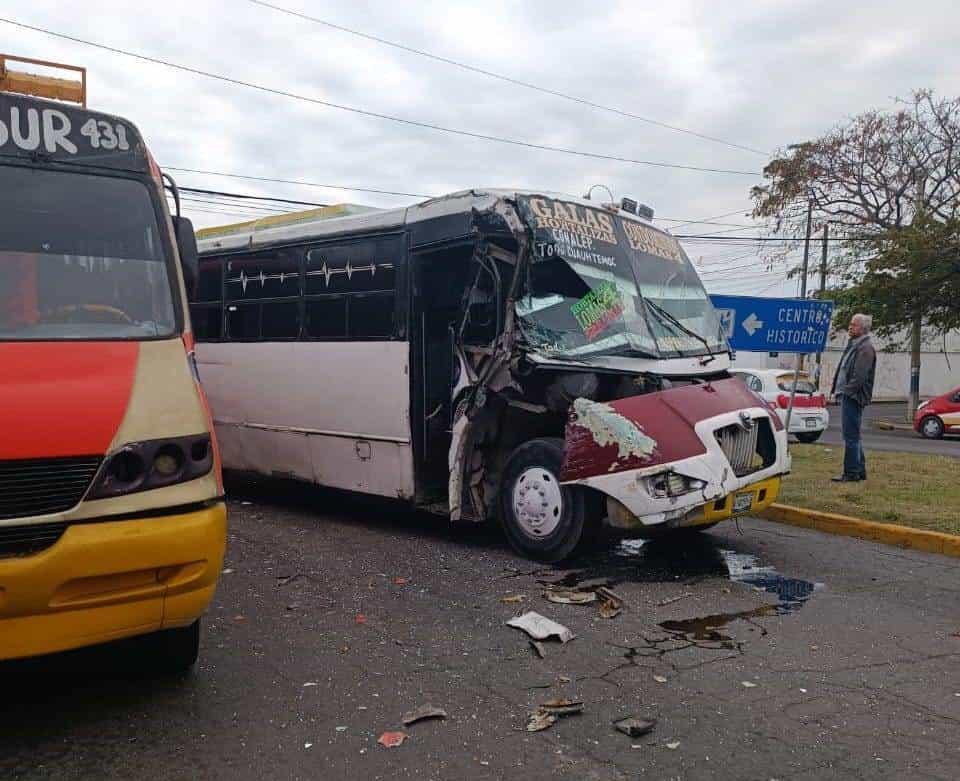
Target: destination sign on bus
(43, 130)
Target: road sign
(785, 325)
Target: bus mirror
(189, 254)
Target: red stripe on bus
(63, 398)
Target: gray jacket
(855, 373)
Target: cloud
(764, 75)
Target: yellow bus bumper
(111, 579)
(763, 494)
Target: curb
(886, 425)
(885, 533)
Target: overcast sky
(759, 74)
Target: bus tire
(174, 650)
(542, 519)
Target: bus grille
(740, 447)
(44, 485)
(22, 540)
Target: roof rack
(73, 91)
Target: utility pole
(823, 289)
(913, 399)
(806, 259)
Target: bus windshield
(80, 258)
(600, 284)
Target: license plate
(812, 422)
(742, 502)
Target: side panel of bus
(304, 357)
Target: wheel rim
(931, 427)
(537, 502)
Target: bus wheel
(174, 650)
(542, 519)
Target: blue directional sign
(784, 325)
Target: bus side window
(351, 289)
(206, 302)
(262, 295)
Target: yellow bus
(112, 518)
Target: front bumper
(107, 580)
(633, 506)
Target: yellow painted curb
(886, 533)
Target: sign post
(785, 325)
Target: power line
(377, 115)
(502, 77)
(244, 196)
(293, 181)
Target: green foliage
(899, 274)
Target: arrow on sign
(751, 325)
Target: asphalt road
(895, 441)
(772, 654)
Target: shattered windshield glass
(603, 285)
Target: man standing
(853, 387)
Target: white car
(810, 417)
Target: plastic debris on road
(611, 604)
(673, 745)
(561, 706)
(422, 713)
(547, 714)
(541, 628)
(567, 597)
(512, 599)
(748, 684)
(659, 679)
(634, 727)
(540, 720)
(309, 683)
(392, 739)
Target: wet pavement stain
(655, 561)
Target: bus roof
(350, 218)
(50, 132)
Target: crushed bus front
(686, 456)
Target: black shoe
(846, 479)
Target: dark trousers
(851, 419)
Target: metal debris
(422, 713)
(569, 597)
(634, 727)
(540, 627)
(392, 739)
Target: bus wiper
(667, 318)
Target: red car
(938, 416)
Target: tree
(889, 185)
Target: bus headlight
(156, 463)
(672, 484)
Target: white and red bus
(112, 519)
(533, 357)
